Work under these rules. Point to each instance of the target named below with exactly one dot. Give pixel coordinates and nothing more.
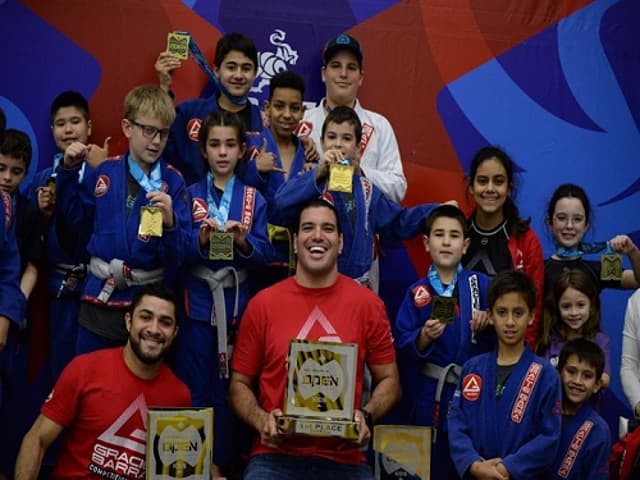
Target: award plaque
(402, 452)
(220, 246)
(611, 267)
(179, 443)
(320, 389)
(444, 309)
(150, 221)
(178, 45)
(340, 178)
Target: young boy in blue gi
(276, 155)
(216, 290)
(137, 208)
(364, 212)
(505, 417)
(65, 247)
(235, 66)
(432, 348)
(585, 442)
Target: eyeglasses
(564, 219)
(149, 131)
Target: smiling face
(446, 243)
(342, 77)
(490, 186)
(152, 327)
(574, 308)
(284, 111)
(70, 125)
(317, 244)
(579, 383)
(569, 222)
(223, 151)
(236, 73)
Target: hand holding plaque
(320, 389)
(178, 45)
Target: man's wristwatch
(368, 419)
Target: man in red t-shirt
(101, 399)
(317, 303)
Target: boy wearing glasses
(138, 213)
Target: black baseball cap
(342, 42)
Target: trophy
(179, 443)
(320, 389)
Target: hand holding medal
(431, 330)
(610, 261)
(157, 215)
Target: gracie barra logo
(193, 128)
(574, 449)
(199, 209)
(317, 317)
(367, 133)
(522, 400)
(471, 387)
(102, 185)
(119, 452)
(421, 296)
(248, 203)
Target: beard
(146, 358)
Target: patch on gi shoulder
(199, 209)
(193, 129)
(102, 185)
(421, 296)
(303, 129)
(471, 387)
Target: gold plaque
(611, 267)
(402, 452)
(220, 246)
(320, 389)
(340, 178)
(150, 221)
(444, 309)
(179, 443)
(178, 45)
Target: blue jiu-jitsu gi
(584, 449)
(522, 426)
(372, 213)
(67, 257)
(183, 147)
(202, 351)
(114, 234)
(432, 373)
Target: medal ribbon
(197, 55)
(150, 183)
(581, 249)
(220, 213)
(436, 283)
(57, 158)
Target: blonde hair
(149, 100)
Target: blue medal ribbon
(197, 55)
(151, 182)
(581, 249)
(220, 213)
(436, 283)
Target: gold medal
(220, 246)
(444, 309)
(150, 221)
(611, 267)
(341, 178)
(178, 45)
(51, 184)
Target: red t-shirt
(345, 312)
(103, 407)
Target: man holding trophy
(304, 343)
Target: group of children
(202, 199)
